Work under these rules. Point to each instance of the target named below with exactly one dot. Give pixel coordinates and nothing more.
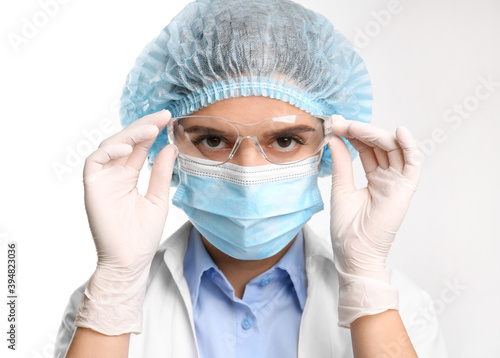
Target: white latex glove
(364, 222)
(126, 226)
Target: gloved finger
(366, 154)
(412, 166)
(161, 175)
(132, 135)
(135, 137)
(157, 119)
(382, 158)
(342, 173)
(366, 133)
(140, 153)
(141, 149)
(396, 159)
(95, 162)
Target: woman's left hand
(364, 222)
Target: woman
(258, 92)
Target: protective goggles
(280, 140)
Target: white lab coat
(168, 329)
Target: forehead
(248, 110)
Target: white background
(425, 59)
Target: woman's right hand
(126, 226)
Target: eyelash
(298, 139)
(201, 138)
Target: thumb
(161, 175)
(342, 173)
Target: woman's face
(249, 110)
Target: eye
(286, 143)
(211, 142)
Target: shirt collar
(293, 263)
(197, 261)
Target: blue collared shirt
(264, 323)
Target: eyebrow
(279, 133)
(290, 131)
(204, 130)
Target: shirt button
(265, 281)
(247, 323)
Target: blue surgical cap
(218, 49)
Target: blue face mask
(249, 213)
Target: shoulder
(169, 253)
(416, 306)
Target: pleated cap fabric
(218, 49)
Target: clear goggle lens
(280, 140)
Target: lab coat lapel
(169, 331)
(320, 336)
